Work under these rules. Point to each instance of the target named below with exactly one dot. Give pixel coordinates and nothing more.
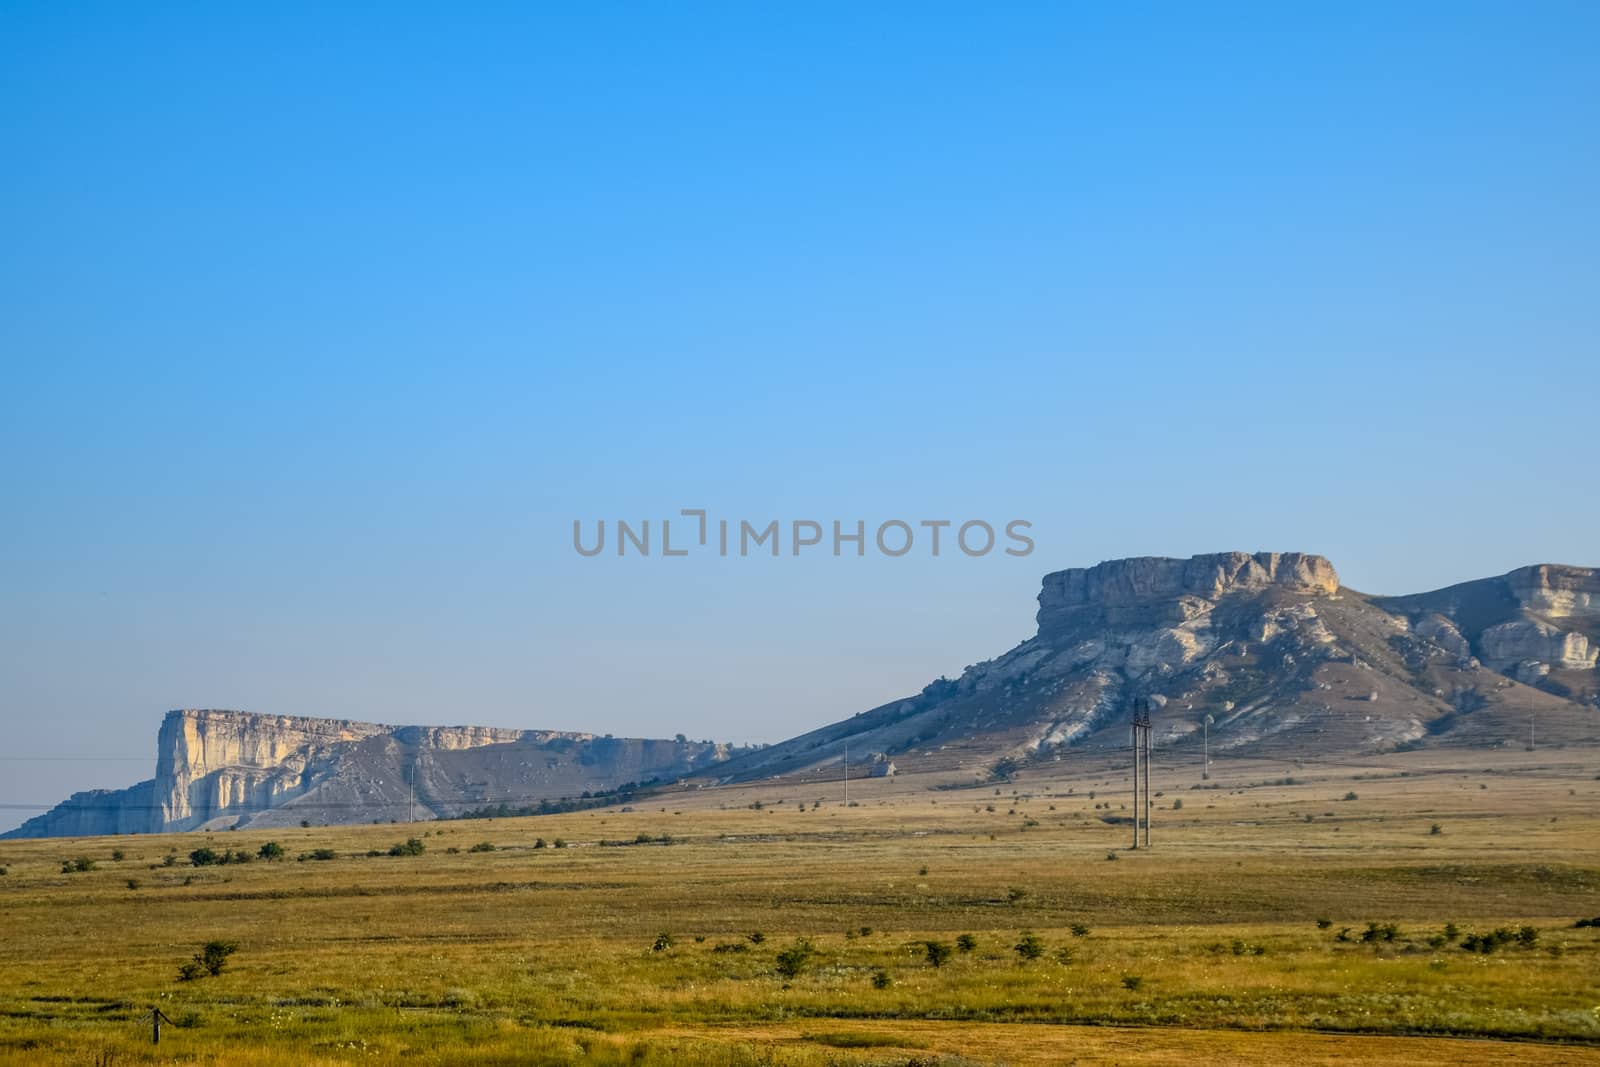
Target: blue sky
(321, 323)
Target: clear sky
(320, 324)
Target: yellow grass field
(657, 935)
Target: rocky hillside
(1281, 657)
(226, 768)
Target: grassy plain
(1206, 946)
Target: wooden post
(156, 1019)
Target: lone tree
(271, 851)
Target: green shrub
(938, 952)
(77, 865)
(412, 847)
(1132, 982)
(792, 960)
(204, 857)
(966, 942)
(1028, 946)
(881, 979)
(212, 959)
(1323, 924)
(271, 851)
(1079, 930)
(662, 942)
(538, 842)
(482, 846)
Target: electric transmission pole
(1134, 737)
(1141, 770)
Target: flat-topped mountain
(1270, 646)
(227, 768)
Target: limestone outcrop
(219, 768)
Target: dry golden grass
(524, 955)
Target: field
(659, 935)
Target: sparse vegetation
(1222, 935)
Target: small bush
(77, 865)
(662, 942)
(881, 979)
(938, 952)
(1132, 982)
(1323, 924)
(559, 842)
(271, 851)
(1351, 795)
(792, 960)
(412, 847)
(755, 937)
(482, 846)
(1451, 932)
(730, 946)
(1111, 855)
(1079, 930)
(1527, 936)
(1028, 946)
(204, 857)
(212, 959)
(1016, 894)
(1177, 805)
(118, 855)
(133, 883)
(966, 943)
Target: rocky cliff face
(1269, 646)
(225, 768)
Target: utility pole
(1205, 773)
(1141, 769)
(1147, 802)
(847, 776)
(411, 815)
(1134, 738)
